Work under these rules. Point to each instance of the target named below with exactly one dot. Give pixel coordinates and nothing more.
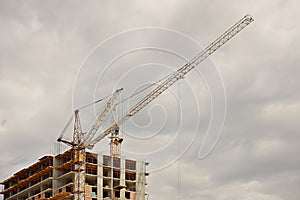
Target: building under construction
(81, 175)
(52, 177)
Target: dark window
(92, 182)
(48, 194)
(91, 159)
(116, 183)
(117, 194)
(106, 194)
(116, 174)
(23, 198)
(106, 183)
(91, 171)
(50, 162)
(127, 195)
(106, 173)
(130, 176)
(107, 160)
(131, 187)
(116, 162)
(69, 189)
(94, 191)
(130, 164)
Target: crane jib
(179, 74)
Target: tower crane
(79, 148)
(81, 142)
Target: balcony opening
(127, 195)
(69, 189)
(48, 194)
(106, 160)
(106, 194)
(117, 194)
(94, 191)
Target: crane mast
(179, 74)
(79, 160)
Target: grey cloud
(43, 45)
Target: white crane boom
(102, 116)
(179, 74)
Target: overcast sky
(53, 59)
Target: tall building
(52, 177)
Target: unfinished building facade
(52, 177)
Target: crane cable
(81, 108)
(125, 99)
(85, 106)
(143, 89)
(120, 102)
(66, 127)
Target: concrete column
(100, 177)
(55, 176)
(140, 180)
(122, 172)
(122, 178)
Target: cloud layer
(43, 45)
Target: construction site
(52, 178)
(80, 174)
